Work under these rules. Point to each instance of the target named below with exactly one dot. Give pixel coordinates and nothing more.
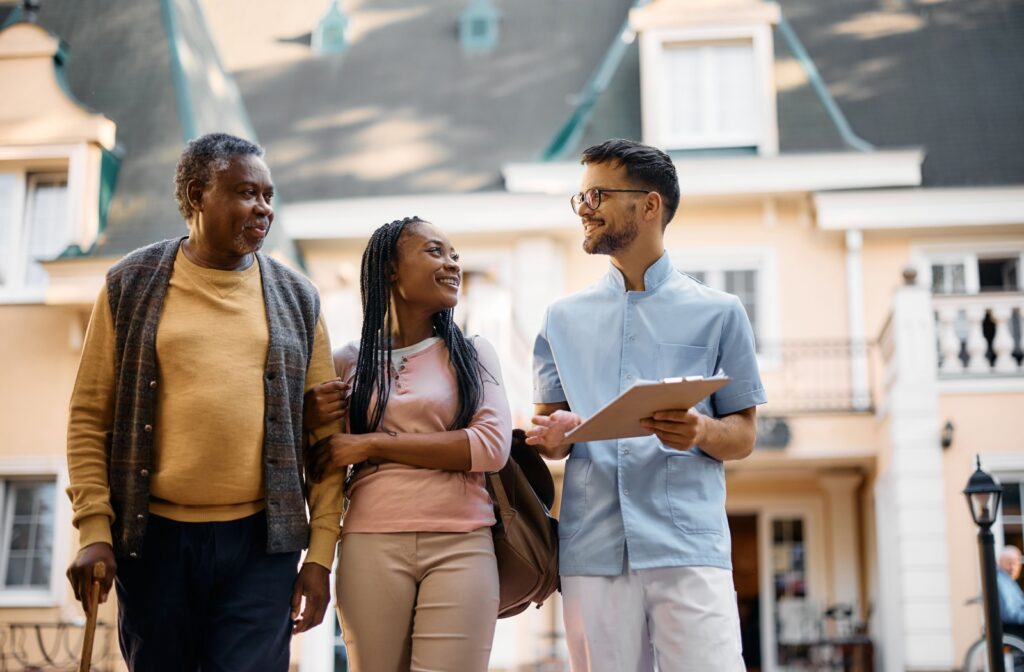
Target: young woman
(417, 582)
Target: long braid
(373, 366)
(466, 362)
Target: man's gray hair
(202, 158)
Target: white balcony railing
(979, 334)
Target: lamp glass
(984, 506)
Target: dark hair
(202, 158)
(373, 366)
(649, 166)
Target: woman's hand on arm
(327, 402)
(447, 451)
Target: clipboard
(620, 418)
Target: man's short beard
(245, 247)
(610, 243)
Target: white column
(538, 278)
(317, 645)
(855, 311)
(912, 546)
(844, 530)
(1002, 343)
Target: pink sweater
(423, 398)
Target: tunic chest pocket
(676, 361)
(683, 360)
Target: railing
(816, 376)
(52, 646)
(979, 334)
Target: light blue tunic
(663, 506)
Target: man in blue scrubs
(645, 547)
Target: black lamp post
(983, 497)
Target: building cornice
(931, 208)
(747, 175)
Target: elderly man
(185, 438)
(1011, 597)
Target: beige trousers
(418, 601)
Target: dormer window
(35, 223)
(707, 77)
(329, 34)
(478, 26)
(710, 95)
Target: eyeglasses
(592, 197)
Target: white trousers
(675, 619)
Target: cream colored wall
(39, 364)
(883, 257)
(39, 361)
(987, 424)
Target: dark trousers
(206, 596)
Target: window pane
(16, 567)
(796, 617)
(43, 542)
(998, 275)
(711, 94)
(684, 103)
(948, 279)
(744, 285)
(23, 500)
(8, 184)
(19, 537)
(48, 226)
(40, 570)
(1011, 499)
(28, 535)
(736, 89)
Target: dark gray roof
(123, 64)
(414, 114)
(404, 110)
(947, 76)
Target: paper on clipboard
(621, 417)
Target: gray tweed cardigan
(136, 287)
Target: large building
(852, 169)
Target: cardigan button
(271, 375)
(152, 384)
(148, 428)
(133, 554)
(140, 517)
(143, 472)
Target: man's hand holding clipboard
(664, 408)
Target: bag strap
(498, 491)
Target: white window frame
(760, 259)
(966, 252)
(653, 46)
(812, 511)
(1002, 467)
(82, 199)
(43, 468)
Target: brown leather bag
(525, 534)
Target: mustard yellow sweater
(208, 435)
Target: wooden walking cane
(99, 572)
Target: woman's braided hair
(373, 367)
